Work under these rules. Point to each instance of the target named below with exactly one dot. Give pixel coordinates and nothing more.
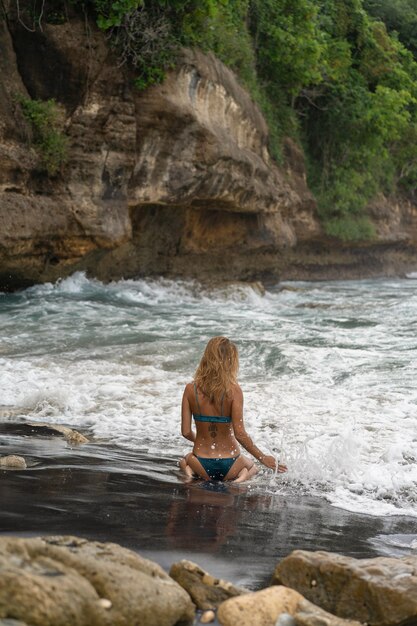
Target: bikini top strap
(196, 399)
(221, 408)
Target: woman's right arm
(186, 417)
(242, 436)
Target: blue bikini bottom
(217, 469)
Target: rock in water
(68, 581)
(17, 462)
(70, 435)
(206, 591)
(380, 591)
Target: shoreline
(105, 493)
(310, 261)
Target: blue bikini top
(217, 419)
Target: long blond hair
(218, 368)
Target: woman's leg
(191, 466)
(241, 470)
(185, 467)
(246, 474)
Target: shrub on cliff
(48, 138)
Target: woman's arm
(186, 417)
(244, 439)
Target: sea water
(328, 371)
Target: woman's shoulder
(236, 391)
(189, 388)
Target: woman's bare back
(213, 439)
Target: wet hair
(218, 368)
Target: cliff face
(176, 180)
(50, 226)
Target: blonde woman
(215, 400)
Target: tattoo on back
(213, 430)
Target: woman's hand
(270, 461)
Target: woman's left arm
(186, 418)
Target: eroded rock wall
(174, 180)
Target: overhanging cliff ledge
(176, 180)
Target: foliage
(145, 41)
(399, 16)
(110, 14)
(357, 121)
(287, 43)
(220, 27)
(50, 142)
(350, 228)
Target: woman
(215, 400)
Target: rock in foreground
(67, 581)
(380, 591)
(206, 591)
(276, 606)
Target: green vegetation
(49, 141)
(339, 76)
(399, 16)
(111, 14)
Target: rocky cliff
(176, 180)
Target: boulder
(68, 581)
(309, 614)
(381, 591)
(261, 608)
(275, 606)
(206, 591)
(17, 462)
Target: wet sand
(106, 493)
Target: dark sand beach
(102, 492)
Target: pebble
(105, 603)
(209, 580)
(207, 617)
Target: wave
(152, 291)
(328, 372)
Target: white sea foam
(395, 545)
(328, 372)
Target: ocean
(328, 371)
